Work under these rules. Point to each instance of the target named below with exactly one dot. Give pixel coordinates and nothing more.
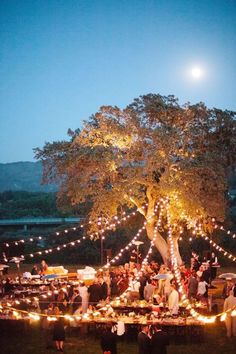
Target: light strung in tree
(199, 232)
(185, 300)
(75, 242)
(228, 232)
(113, 261)
(109, 226)
(39, 238)
(132, 242)
(53, 249)
(193, 312)
(23, 241)
(122, 250)
(220, 249)
(145, 261)
(205, 319)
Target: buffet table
(180, 330)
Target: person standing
(202, 291)
(35, 270)
(144, 341)
(83, 291)
(214, 265)
(230, 321)
(43, 268)
(58, 331)
(108, 340)
(192, 286)
(159, 340)
(104, 288)
(4, 260)
(143, 282)
(76, 301)
(47, 326)
(94, 291)
(173, 300)
(228, 286)
(149, 290)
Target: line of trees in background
(21, 204)
(26, 204)
(18, 204)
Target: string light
(132, 242)
(116, 258)
(193, 312)
(145, 260)
(228, 232)
(75, 242)
(198, 231)
(51, 250)
(67, 230)
(219, 248)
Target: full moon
(196, 72)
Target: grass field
(32, 341)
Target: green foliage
(152, 149)
(27, 204)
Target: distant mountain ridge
(23, 176)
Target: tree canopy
(152, 149)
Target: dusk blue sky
(60, 60)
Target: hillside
(23, 176)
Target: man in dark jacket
(76, 301)
(94, 291)
(144, 341)
(159, 341)
(108, 340)
(192, 286)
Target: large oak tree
(152, 149)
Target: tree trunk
(160, 243)
(176, 249)
(162, 246)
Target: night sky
(60, 60)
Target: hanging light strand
(221, 227)
(122, 250)
(198, 231)
(109, 225)
(132, 242)
(75, 242)
(193, 312)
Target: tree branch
(138, 205)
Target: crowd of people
(136, 284)
(152, 340)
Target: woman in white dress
(83, 291)
(230, 321)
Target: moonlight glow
(196, 73)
